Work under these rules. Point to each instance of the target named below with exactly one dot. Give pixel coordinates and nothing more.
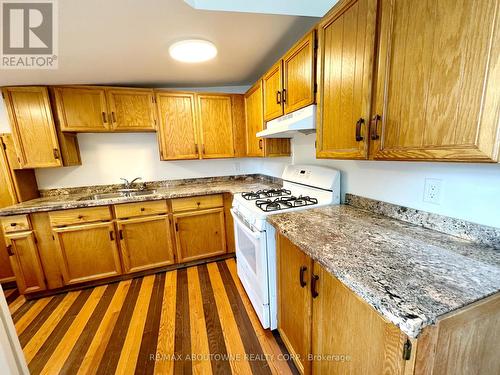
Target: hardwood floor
(195, 320)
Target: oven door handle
(254, 234)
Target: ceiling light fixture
(193, 50)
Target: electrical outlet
(432, 190)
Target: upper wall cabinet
(38, 141)
(100, 109)
(255, 123)
(178, 134)
(199, 126)
(438, 81)
(346, 48)
(216, 125)
(289, 84)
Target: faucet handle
(135, 179)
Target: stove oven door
(251, 258)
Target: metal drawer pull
(360, 122)
(9, 250)
(374, 126)
(278, 97)
(303, 270)
(314, 280)
(104, 117)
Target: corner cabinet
(260, 147)
(346, 40)
(326, 327)
(290, 83)
(36, 137)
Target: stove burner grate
(283, 203)
(266, 193)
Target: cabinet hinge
(176, 227)
(407, 350)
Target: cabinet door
(145, 243)
(347, 327)
(345, 64)
(33, 126)
(200, 234)
(272, 84)
(216, 126)
(87, 252)
(254, 120)
(82, 109)
(177, 131)
(438, 80)
(298, 75)
(294, 301)
(25, 262)
(6, 273)
(131, 110)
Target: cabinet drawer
(197, 203)
(140, 209)
(79, 215)
(15, 223)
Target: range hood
(302, 120)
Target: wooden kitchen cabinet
(289, 84)
(200, 234)
(298, 74)
(295, 302)
(272, 83)
(437, 81)
(87, 252)
(82, 108)
(25, 261)
(178, 132)
(131, 109)
(260, 147)
(348, 327)
(215, 125)
(145, 243)
(33, 127)
(6, 273)
(346, 48)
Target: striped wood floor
(195, 320)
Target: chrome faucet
(128, 185)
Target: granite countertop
(77, 200)
(411, 275)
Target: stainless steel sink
(120, 194)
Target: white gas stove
(304, 187)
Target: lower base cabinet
(25, 261)
(200, 234)
(145, 243)
(87, 252)
(6, 273)
(330, 330)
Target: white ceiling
(126, 42)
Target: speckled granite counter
(63, 201)
(411, 275)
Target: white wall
(4, 118)
(107, 157)
(469, 191)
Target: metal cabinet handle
(203, 149)
(121, 234)
(303, 270)
(55, 151)
(9, 250)
(360, 122)
(104, 117)
(314, 280)
(196, 151)
(260, 144)
(278, 97)
(111, 235)
(284, 96)
(113, 117)
(176, 227)
(374, 126)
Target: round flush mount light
(193, 50)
